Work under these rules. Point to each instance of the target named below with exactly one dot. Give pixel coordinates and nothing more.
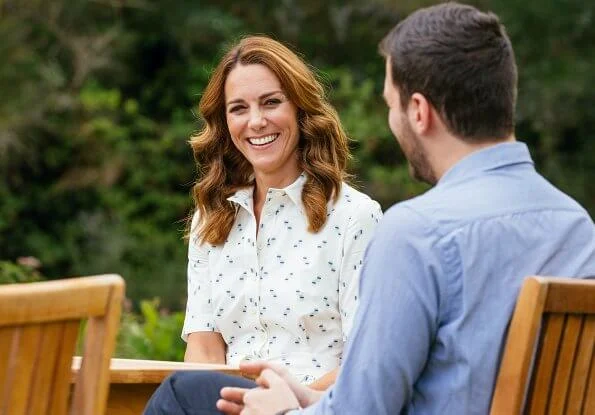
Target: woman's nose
(257, 119)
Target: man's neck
(450, 151)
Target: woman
(277, 238)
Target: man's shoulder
(406, 220)
(418, 213)
(486, 197)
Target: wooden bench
(39, 327)
(132, 382)
(548, 365)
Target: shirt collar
(489, 158)
(244, 197)
(294, 190)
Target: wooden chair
(548, 364)
(39, 326)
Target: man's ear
(419, 112)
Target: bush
(11, 273)
(154, 335)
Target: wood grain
(39, 326)
(548, 361)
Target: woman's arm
(204, 343)
(205, 347)
(323, 382)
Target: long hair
(323, 149)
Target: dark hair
(462, 61)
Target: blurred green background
(98, 99)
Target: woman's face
(262, 122)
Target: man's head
(460, 62)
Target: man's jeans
(192, 393)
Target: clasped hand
(277, 391)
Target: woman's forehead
(251, 81)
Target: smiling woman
(263, 126)
(277, 238)
(236, 107)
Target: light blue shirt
(440, 281)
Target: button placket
(263, 238)
(251, 283)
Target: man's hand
(234, 398)
(305, 395)
(273, 395)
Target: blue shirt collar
(489, 158)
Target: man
(443, 271)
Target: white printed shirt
(286, 295)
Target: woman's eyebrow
(268, 94)
(263, 96)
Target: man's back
(444, 270)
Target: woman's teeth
(263, 140)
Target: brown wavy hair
(322, 148)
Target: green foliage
(155, 334)
(553, 42)
(378, 165)
(11, 273)
(99, 100)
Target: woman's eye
(236, 108)
(272, 101)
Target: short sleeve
(199, 309)
(362, 224)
